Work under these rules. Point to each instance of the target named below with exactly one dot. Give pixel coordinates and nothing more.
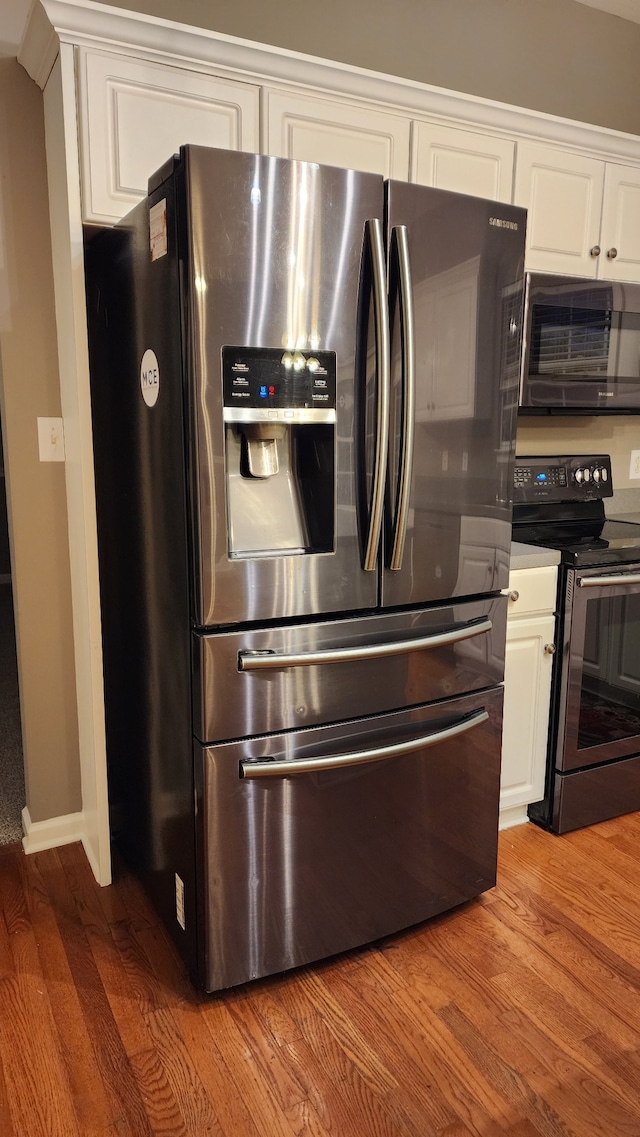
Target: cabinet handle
(549, 649)
(595, 251)
(612, 254)
(514, 594)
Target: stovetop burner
(558, 504)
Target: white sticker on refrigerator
(158, 230)
(150, 378)
(180, 902)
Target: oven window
(610, 695)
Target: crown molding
(86, 23)
(39, 47)
(627, 9)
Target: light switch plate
(51, 439)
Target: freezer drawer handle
(620, 579)
(262, 769)
(407, 331)
(260, 660)
(381, 316)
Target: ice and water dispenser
(279, 415)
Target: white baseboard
(513, 815)
(39, 835)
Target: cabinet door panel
(462, 160)
(134, 115)
(563, 193)
(336, 133)
(527, 688)
(620, 228)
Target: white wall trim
(513, 815)
(49, 834)
(86, 23)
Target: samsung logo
(502, 224)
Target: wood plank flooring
(517, 1014)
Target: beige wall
(35, 490)
(552, 55)
(616, 436)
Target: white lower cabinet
(527, 690)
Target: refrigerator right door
(456, 266)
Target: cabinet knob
(549, 649)
(612, 254)
(595, 251)
(514, 594)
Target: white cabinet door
(527, 690)
(563, 193)
(134, 115)
(335, 133)
(620, 256)
(462, 160)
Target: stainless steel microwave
(581, 346)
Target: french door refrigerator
(304, 384)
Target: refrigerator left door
(281, 262)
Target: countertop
(531, 556)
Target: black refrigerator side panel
(133, 298)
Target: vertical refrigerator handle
(407, 329)
(383, 370)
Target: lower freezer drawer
(299, 866)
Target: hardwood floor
(517, 1014)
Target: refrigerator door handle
(407, 330)
(383, 370)
(262, 660)
(277, 768)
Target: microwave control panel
(574, 477)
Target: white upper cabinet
(335, 132)
(462, 160)
(583, 213)
(135, 114)
(563, 193)
(620, 243)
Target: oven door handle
(276, 768)
(262, 660)
(619, 579)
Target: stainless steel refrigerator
(304, 385)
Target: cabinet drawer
(536, 589)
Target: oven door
(600, 679)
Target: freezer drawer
(283, 678)
(401, 825)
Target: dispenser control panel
(263, 384)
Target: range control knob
(587, 474)
(579, 476)
(603, 474)
(596, 475)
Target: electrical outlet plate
(50, 440)
(634, 464)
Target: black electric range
(593, 766)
